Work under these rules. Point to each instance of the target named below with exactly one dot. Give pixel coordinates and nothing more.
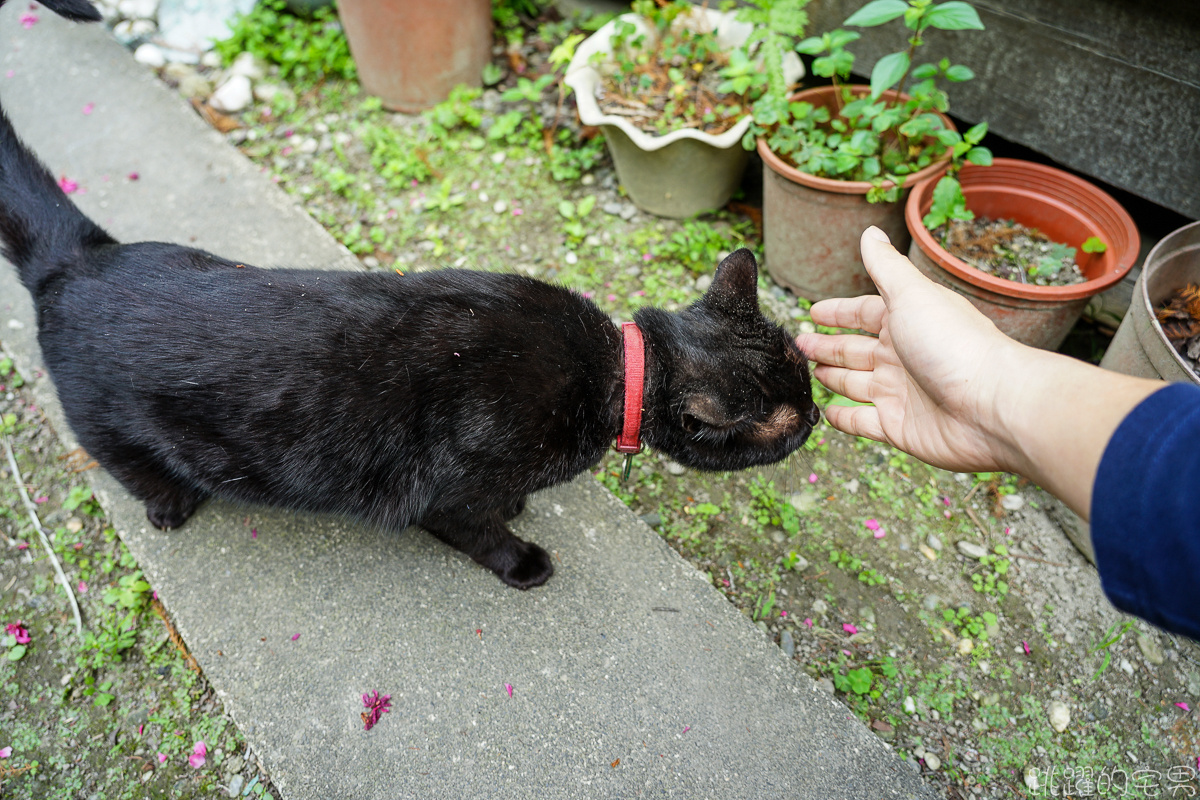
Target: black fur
(77, 10)
(438, 398)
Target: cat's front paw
(523, 565)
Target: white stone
(1031, 778)
(138, 9)
(972, 550)
(150, 55)
(131, 30)
(910, 705)
(193, 24)
(965, 647)
(211, 59)
(1012, 502)
(933, 762)
(500, 206)
(233, 95)
(498, 158)
(1060, 715)
(307, 145)
(250, 66)
(572, 259)
(1126, 667)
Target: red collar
(635, 370)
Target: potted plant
(839, 158)
(657, 84)
(1142, 346)
(412, 54)
(1027, 285)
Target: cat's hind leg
(169, 501)
(483, 536)
(513, 508)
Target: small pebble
(150, 55)
(588, 180)
(933, 762)
(675, 469)
(1150, 649)
(571, 258)
(910, 705)
(498, 158)
(500, 206)
(233, 95)
(934, 542)
(972, 550)
(1012, 502)
(235, 785)
(851, 485)
(1060, 715)
(787, 644)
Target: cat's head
(728, 388)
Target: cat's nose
(812, 415)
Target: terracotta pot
(412, 54)
(683, 172)
(1140, 348)
(811, 225)
(1065, 208)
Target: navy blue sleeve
(1146, 511)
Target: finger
(888, 267)
(856, 421)
(852, 383)
(842, 350)
(861, 313)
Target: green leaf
(924, 71)
(811, 46)
(887, 73)
(980, 155)
(958, 73)
(859, 680)
(586, 205)
(566, 209)
(16, 653)
(976, 133)
(1093, 244)
(877, 12)
(953, 16)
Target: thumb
(888, 267)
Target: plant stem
(37, 525)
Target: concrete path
(630, 675)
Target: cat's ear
(735, 286)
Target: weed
(7, 372)
(574, 214)
(989, 580)
(305, 50)
(768, 508)
(1110, 637)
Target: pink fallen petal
(5, 752)
(286, 151)
(10, 73)
(848, 628)
(945, 500)
(872, 524)
(508, 688)
(23, 546)
(295, 636)
(808, 621)
(611, 298)
(947, 514)
(140, 729)
(687, 728)
(133, 176)
(846, 653)
(198, 756)
(879, 534)
(28, 20)
(89, 108)
(516, 212)
(812, 477)
(646, 256)
(162, 758)
(1008, 531)
(254, 533)
(82, 587)
(474, 186)
(1184, 706)
(40, 500)
(1025, 644)
(783, 614)
(67, 185)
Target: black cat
(439, 398)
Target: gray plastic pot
(1140, 348)
(681, 173)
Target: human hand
(934, 374)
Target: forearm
(1056, 416)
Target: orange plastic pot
(411, 54)
(811, 225)
(1063, 207)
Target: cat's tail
(41, 230)
(75, 10)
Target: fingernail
(877, 234)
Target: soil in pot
(1179, 318)
(1007, 249)
(666, 91)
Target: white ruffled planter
(684, 172)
